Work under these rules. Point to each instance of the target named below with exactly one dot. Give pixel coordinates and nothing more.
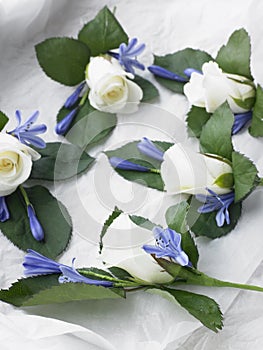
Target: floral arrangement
(102, 64)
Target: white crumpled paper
(142, 321)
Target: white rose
(212, 88)
(110, 90)
(123, 248)
(15, 163)
(185, 171)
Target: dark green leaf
(196, 119)
(234, 57)
(3, 120)
(60, 161)
(245, 175)
(142, 222)
(256, 128)
(120, 273)
(89, 126)
(176, 220)
(103, 33)
(149, 90)
(205, 224)
(130, 152)
(63, 59)
(47, 290)
(52, 215)
(205, 309)
(178, 62)
(215, 137)
(116, 213)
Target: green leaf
(42, 290)
(256, 128)
(196, 119)
(114, 215)
(176, 219)
(247, 103)
(225, 180)
(130, 152)
(234, 57)
(205, 224)
(149, 90)
(245, 175)
(60, 161)
(3, 120)
(120, 273)
(215, 137)
(178, 62)
(89, 126)
(63, 59)
(142, 222)
(205, 309)
(103, 33)
(52, 215)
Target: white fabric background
(142, 321)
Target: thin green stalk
(83, 99)
(25, 196)
(155, 171)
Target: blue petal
(151, 249)
(4, 212)
(27, 138)
(73, 98)
(35, 226)
(38, 264)
(18, 117)
(63, 126)
(189, 71)
(123, 164)
(240, 121)
(166, 74)
(148, 148)
(32, 119)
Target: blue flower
(36, 264)
(148, 148)
(27, 133)
(35, 226)
(63, 126)
(4, 213)
(123, 164)
(216, 202)
(240, 121)
(168, 244)
(166, 74)
(73, 98)
(127, 55)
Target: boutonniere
(167, 262)
(30, 216)
(217, 178)
(207, 82)
(101, 63)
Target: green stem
(25, 196)
(155, 171)
(83, 99)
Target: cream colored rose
(110, 90)
(15, 163)
(212, 88)
(185, 171)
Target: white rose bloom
(110, 90)
(123, 248)
(185, 171)
(15, 163)
(212, 88)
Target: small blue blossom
(240, 121)
(166, 74)
(216, 202)
(63, 126)
(127, 55)
(35, 226)
(27, 132)
(120, 163)
(189, 71)
(73, 98)
(4, 212)
(168, 244)
(148, 148)
(36, 264)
